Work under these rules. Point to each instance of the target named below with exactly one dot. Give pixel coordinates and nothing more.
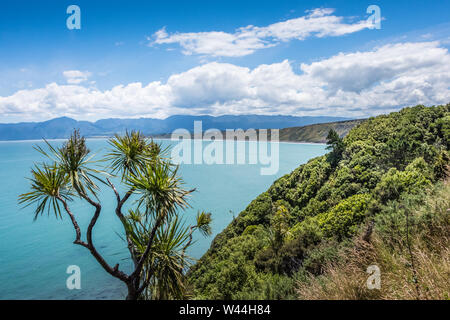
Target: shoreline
(161, 138)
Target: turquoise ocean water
(34, 256)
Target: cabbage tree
(155, 237)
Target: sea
(35, 255)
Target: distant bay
(34, 256)
(62, 127)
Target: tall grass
(411, 246)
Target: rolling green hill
(317, 132)
(314, 133)
(288, 236)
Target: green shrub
(343, 220)
(415, 178)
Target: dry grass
(423, 275)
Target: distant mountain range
(62, 127)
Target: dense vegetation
(299, 230)
(410, 245)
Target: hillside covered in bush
(317, 133)
(290, 235)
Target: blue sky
(158, 58)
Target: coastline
(159, 138)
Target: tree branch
(191, 231)
(112, 271)
(120, 203)
(146, 282)
(74, 222)
(138, 269)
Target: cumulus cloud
(76, 76)
(245, 40)
(353, 84)
(356, 71)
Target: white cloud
(349, 84)
(76, 76)
(245, 40)
(360, 70)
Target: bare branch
(113, 271)
(74, 222)
(114, 189)
(120, 202)
(191, 231)
(138, 269)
